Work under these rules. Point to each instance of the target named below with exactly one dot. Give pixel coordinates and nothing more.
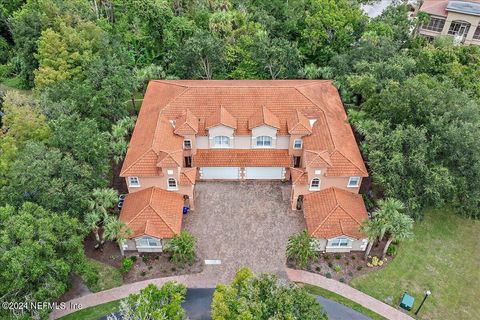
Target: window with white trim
(221, 142)
(133, 182)
(315, 184)
(297, 144)
(353, 182)
(148, 242)
(339, 242)
(187, 144)
(476, 35)
(172, 184)
(264, 141)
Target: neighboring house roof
(187, 176)
(297, 123)
(442, 7)
(232, 103)
(186, 124)
(153, 212)
(263, 116)
(299, 176)
(242, 158)
(221, 116)
(334, 212)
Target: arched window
(221, 142)
(172, 184)
(264, 141)
(315, 184)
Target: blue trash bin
(185, 210)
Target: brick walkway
(198, 280)
(348, 292)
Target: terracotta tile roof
(435, 7)
(170, 159)
(186, 124)
(153, 212)
(299, 176)
(188, 176)
(221, 116)
(298, 123)
(263, 116)
(317, 159)
(242, 158)
(334, 212)
(232, 103)
(165, 150)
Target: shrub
(145, 259)
(392, 250)
(89, 274)
(337, 256)
(182, 248)
(330, 264)
(353, 257)
(134, 258)
(350, 273)
(342, 280)
(347, 263)
(173, 269)
(318, 269)
(337, 268)
(328, 275)
(6, 71)
(127, 264)
(143, 273)
(359, 268)
(326, 257)
(375, 262)
(300, 248)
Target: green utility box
(407, 301)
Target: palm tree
(400, 229)
(300, 248)
(387, 209)
(373, 229)
(99, 205)
(114, 229)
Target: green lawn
(444, 257)
(108, 276)
(13, 84)
(93, 313)
(342, 300)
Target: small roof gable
(316, 159)
(334, 212)
(153, 212)
(188, 176)
(299, 176)
(186, 124)
(297, 123)
(170, 159)
(263, 116)
(221, 116)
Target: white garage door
(219, 173)
(266, 173)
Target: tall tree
(260, 297)
(400, 229)
(372, 228)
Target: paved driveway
(243, 224)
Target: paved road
(198, 302)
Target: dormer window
(353, 182)
(172, 184)
(187, 144)
(264, 141)
(297, 144)
(133, 182)
(315, 184)
(221, 142)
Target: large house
(457, 18)
(189, 131)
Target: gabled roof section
(299, 176)
(170, 159)
(186, 124)
(221, 116)
(298, 124)
(261, 117)
(317, 159)
(435, 7)
(153, 212)
(334, 212)
(188, 176)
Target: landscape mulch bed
(156, 265)
(351, 264)
(109, 253)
